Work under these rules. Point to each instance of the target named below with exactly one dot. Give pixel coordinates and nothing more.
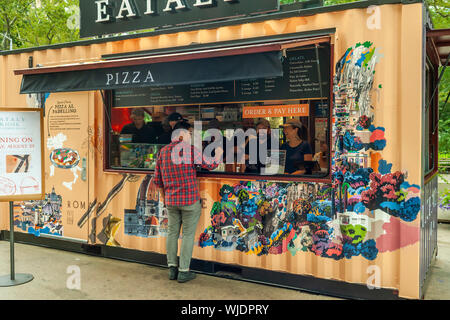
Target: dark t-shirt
(157, 129)
(165, 137)
(145, 134)
(295, 156)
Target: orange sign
(289, 110)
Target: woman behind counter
(297, 148)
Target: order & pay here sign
(21, 154)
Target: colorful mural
(337, 221)
(360, 188)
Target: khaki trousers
(186, 216)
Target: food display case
(139, 155)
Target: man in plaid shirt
(176, 177)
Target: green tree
(440, 17)
(31, 23)
(11, 15)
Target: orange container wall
(395, 31)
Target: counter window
(267, 136)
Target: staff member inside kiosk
(142, 133)
(298, 150)
(261, 140)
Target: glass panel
(288, 139)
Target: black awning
(95, 76)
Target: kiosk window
(285, 139)
(271, 126)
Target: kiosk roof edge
(282, 14)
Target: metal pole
(13, 279)
(11, 238)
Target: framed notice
(21, 154)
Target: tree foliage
(31, 23)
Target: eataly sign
(100, 17)
(128, 8)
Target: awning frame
(180, 56)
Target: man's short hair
(138, 112)
(263, 122)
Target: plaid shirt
(179, 181)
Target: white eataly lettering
(126, 6)
(200, 3)
(102, 15)
(149, 7)
(180, 5)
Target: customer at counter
(142, 132)
(178, 185)
(298, 150)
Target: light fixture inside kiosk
(278, 104)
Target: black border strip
(287, 11)
(285, 280)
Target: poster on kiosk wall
(21, 154)
(65, 153)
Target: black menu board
(300, 80)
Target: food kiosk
(359, 223)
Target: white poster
(21, 163)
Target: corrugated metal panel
(429, 228)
